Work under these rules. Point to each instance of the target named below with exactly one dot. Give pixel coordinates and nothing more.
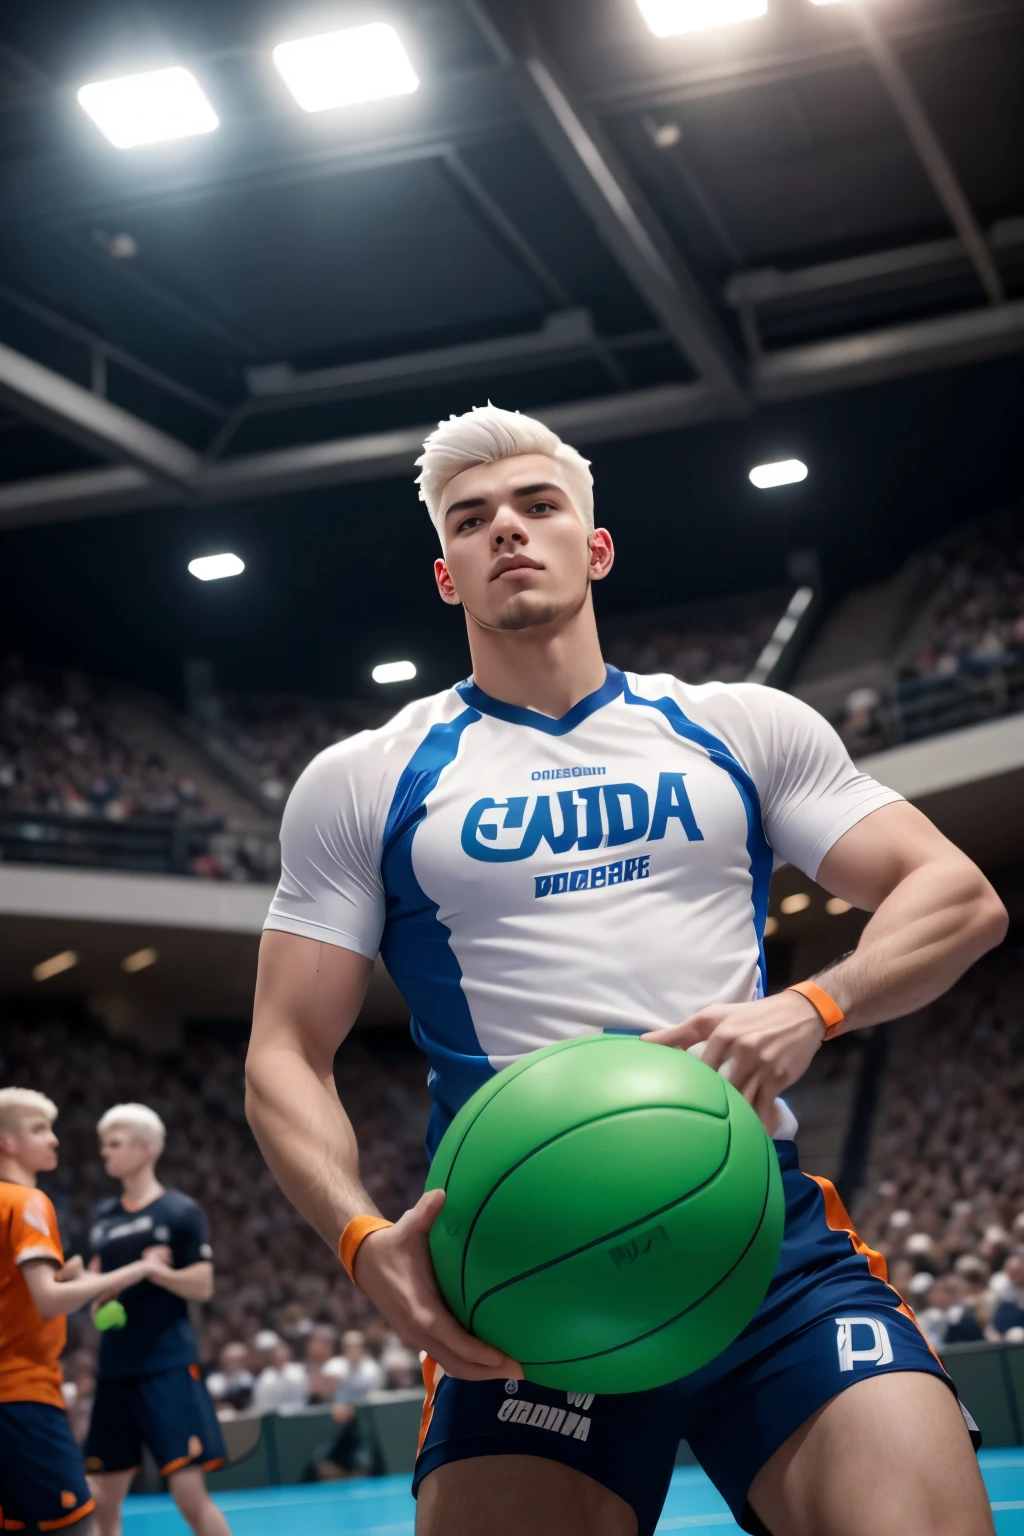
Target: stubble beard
(526, 612)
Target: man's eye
(542, 506)
(467, 522)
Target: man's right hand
(393, 1267)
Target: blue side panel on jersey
(515, 714)
(758, 847)
(415, 943)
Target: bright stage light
(670, 18)
(394, 672)
(339, 68)
(147, 109)
(786, 472)
(65, 961)
(140, 960)
(214, 567)
(836, 906)
(798, 902)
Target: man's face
(33, 1145)
(516, 554)
(123, 1153)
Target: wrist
(354, 1236)
(830, 1016)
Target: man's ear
(445, 585)
(602, 553)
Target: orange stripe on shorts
(838, 1219)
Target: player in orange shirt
(42, 1481)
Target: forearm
(193, 1283)
(306, 1137)
(935, 923)
(59, 1298)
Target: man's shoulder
(390, 744)
(174, 1203)
(705, 701)
(24, 1200)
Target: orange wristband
(831, 1013)
(357, 1231)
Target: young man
(148, 1390)
(549, 850)
(42, 1484)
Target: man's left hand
(763, 1046)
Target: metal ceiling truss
(151, 468)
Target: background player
(514, 912)
(42, 1483)
(148, 1390)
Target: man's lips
(520, 563)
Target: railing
(918, 707)
(143, 845)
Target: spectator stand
(962, 660)
(720, 641)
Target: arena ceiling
(623, 233)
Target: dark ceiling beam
(624, 219)
(628, 81)
(786, 374)
(92, 422)
(937, 165)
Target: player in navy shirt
(148, 1388)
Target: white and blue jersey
(528, 880)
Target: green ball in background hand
(111, 1315)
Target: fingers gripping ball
(111, 1315)
(613, 1214)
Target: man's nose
(508, 528)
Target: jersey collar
(515, 714)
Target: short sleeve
(811, 791)
(190, 1237)
(330, 887)
(34, 1233)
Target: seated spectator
(362, 1374)
(325, 1368)
(1007, 1289)
(282, 1384)
(944, 1319)
(231, 1387)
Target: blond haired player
(42, 1482)
(554, 848)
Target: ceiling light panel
(671, 18)
(339, 69)
(149, 108)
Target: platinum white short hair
(16, 1104)
(142, 1121)
(483, 436)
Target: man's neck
(11, 1172)
(549, 668)
(140, 1189)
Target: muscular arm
(307, 997)
(934, 915)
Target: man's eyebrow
(481, 501)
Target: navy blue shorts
(42, 1481)
(830, 1318)
(170, 1411)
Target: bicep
(308, 995)
(871, 859)
(39, 1277)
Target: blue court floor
(384, 1507)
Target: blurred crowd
(697, 653)
(285, 1326)
(969, 665)
(62, 750)
(278, 736)
(945, 1201)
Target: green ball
(613, 1214)
(111, 1315)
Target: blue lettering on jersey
(568, 773)
(613, 815)
(594, 878)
